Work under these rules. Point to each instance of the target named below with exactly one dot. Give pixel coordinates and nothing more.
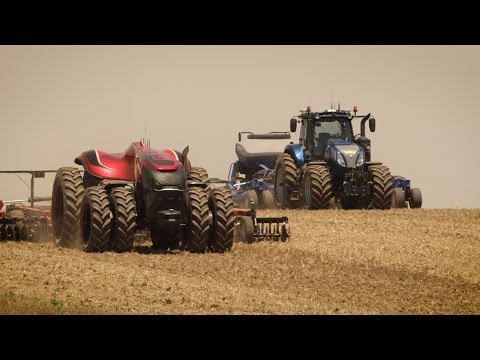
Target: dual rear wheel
(107, 221)
(211, 217)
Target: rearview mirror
(184, 156)
(371, 124)
(293, 124)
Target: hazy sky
(57, 101)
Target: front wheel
(382, 191)
(317, 187)
(220, 237)
(198, 226)
(285, 179)
(123, 219)
(95, 220)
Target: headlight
(361, 157)
(158, 187)
(340, 160)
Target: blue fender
(401, 182)
(296, 152)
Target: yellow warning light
(355, 110)
(308, 108)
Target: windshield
(337, 129)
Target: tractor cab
(325, 131)
(328, 136)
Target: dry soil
(402, 261)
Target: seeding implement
(250, 227)
(404, 195)
(25, 223)
(28, 223)
(251, 176)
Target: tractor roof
(330, 113)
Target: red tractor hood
(128, 165)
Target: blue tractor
(250, 178)
(331, 165)
(404, 195)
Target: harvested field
(403, 261)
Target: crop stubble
(402, 261)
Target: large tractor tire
(267, 200)
(95, 218)
(123, 219)
(249, 196)
(245, 230)
(415, 198)
(220, 237)
(198, 174)
(285, 180)
(382, 186)
(398, 199)
(317, 187)
(67, 196)
(198, 227)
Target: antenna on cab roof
(144, 140)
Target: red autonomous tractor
(140, 189)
